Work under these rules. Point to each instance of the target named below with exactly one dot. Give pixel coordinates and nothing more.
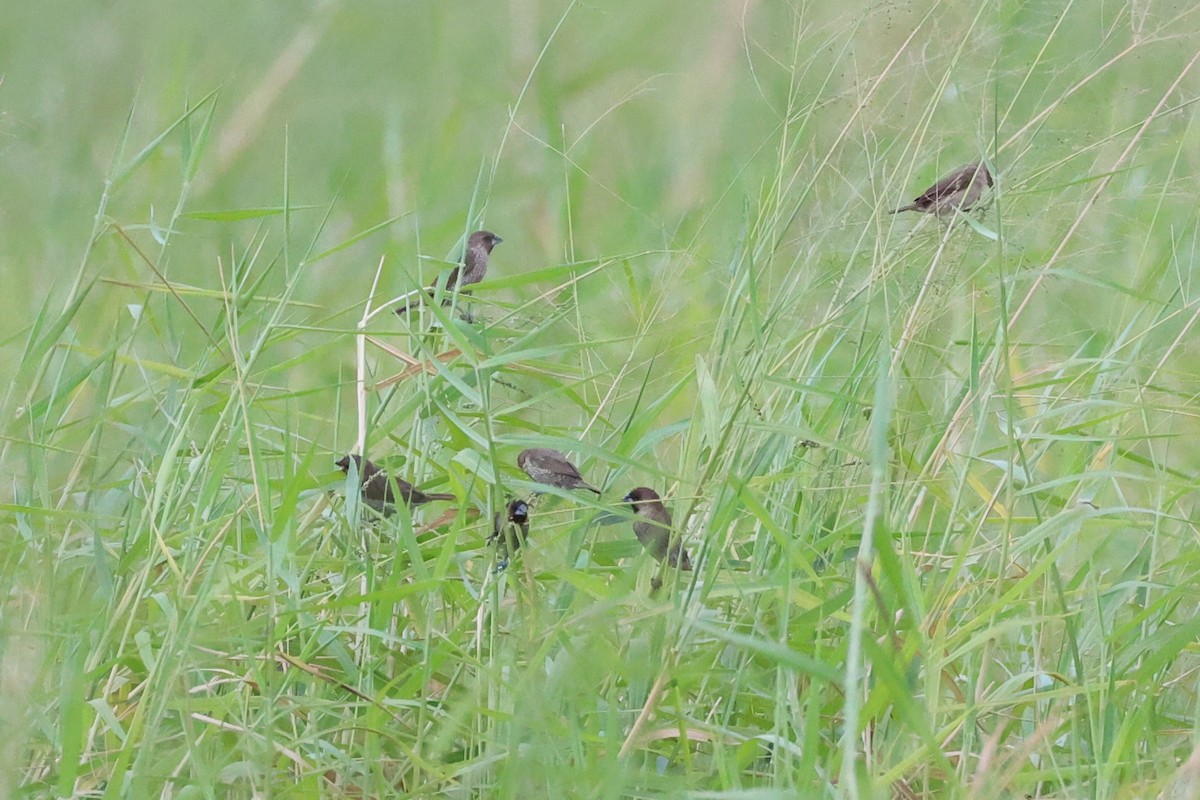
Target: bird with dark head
(379, 490)
(472, 270)
(653, 528)
(552, 468)
(958, 191)
(509, 531)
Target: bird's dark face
(518, 512)
(640, 496)
(485, 239)
(343, 463)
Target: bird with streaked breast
(654, 530)
(958, 191)
(552, 468)
(380, 490)
(472, 270)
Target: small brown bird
(509, 531)
(653, 528)
(474, 267)
(958, 191)
(379, 490)
(551, 467)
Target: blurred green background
(633, 128)
(698, 279)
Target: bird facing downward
(958, 191)
(472, 270)
(551, 467)
(653, 528)
(379, 490)
(509, 530)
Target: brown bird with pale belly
(472, 270)
(653, 528)
(552, 468)
(379, 490)
(958, 191)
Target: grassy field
(936, 478)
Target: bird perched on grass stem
(653, 528)
(472, 270)
(552, 468)
(379, 490)
(958, 191)
(509, 530)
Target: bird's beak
(627, 498)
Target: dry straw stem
(360, 361)
(414, 366)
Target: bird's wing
(954, 183)
(567, 470)
(943, 188)
(451, 280)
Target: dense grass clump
(936, 477)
